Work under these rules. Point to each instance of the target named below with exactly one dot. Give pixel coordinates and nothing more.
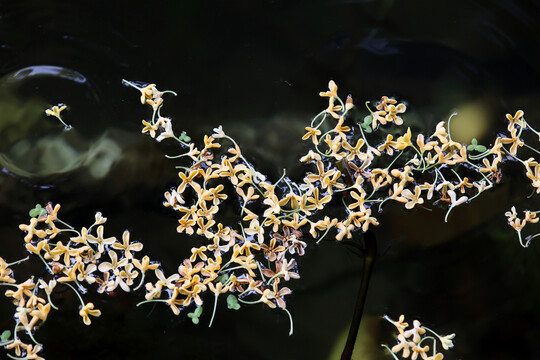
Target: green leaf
(5, 336)
(38, 211)
(481, 148)
(223, 278)
(474, 142)
(232, 302)
(471, 147)
(368, 119)
(194, 316)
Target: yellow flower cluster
(412, 341)
(86, 257)
(350, 162)
(354, 169)
(517, 125)
(242, 261)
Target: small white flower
(100, 219)
(218, 133)
(167, 132)
(454, 202)
(446, 341)
(257, 177)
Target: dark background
(256, 67)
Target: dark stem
(369, 259)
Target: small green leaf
(194, 319)
(187, 139)
(223, 278)
(481, 148)
(232, 302)
(474, 142)
(194, 316)
(368, 119)
(5, 335)
(38, 211)
(471, 147)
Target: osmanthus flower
(42, 245)
(205, 227)
(393, 111)
(317, 201)
(332, 108)
(247, 262)
(198, 253)
(344, 229)
(354, 152)
(517, 119)
(114, 265)
(40, 312)
(440, 132)
(411, 198)
(514, 221)
(404, 141)
(48, 287)
(205, 212)
(380, 178)
(295, 223)
(99, 239)
(321, 225)
(310, 156)
(332, 90)
(334, 144)
(173, 199)
(388, 146)
(55, 110)
(277, 294)
(6, 273)
(454, 201)
(23, 289)
(340, 129)
(378, 117)
(422, 145)
(291, 198)
(193, 294)
(273, 250)
(32, 352)
(144, 264)
(149, 128)
(88, 310)
(256, 230)
(330, 183)
(147, 92)
(166, 125)
(533, 176)
(298, 246)
(186, 224)
(464, 184)
(313, 134)
(188, 179)
(126, 247)
(31, 230)
(125, 277)
(85, 273)
(360, 200)
(70, 273)
(247, 196)
(247, 246)
(18, 345)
